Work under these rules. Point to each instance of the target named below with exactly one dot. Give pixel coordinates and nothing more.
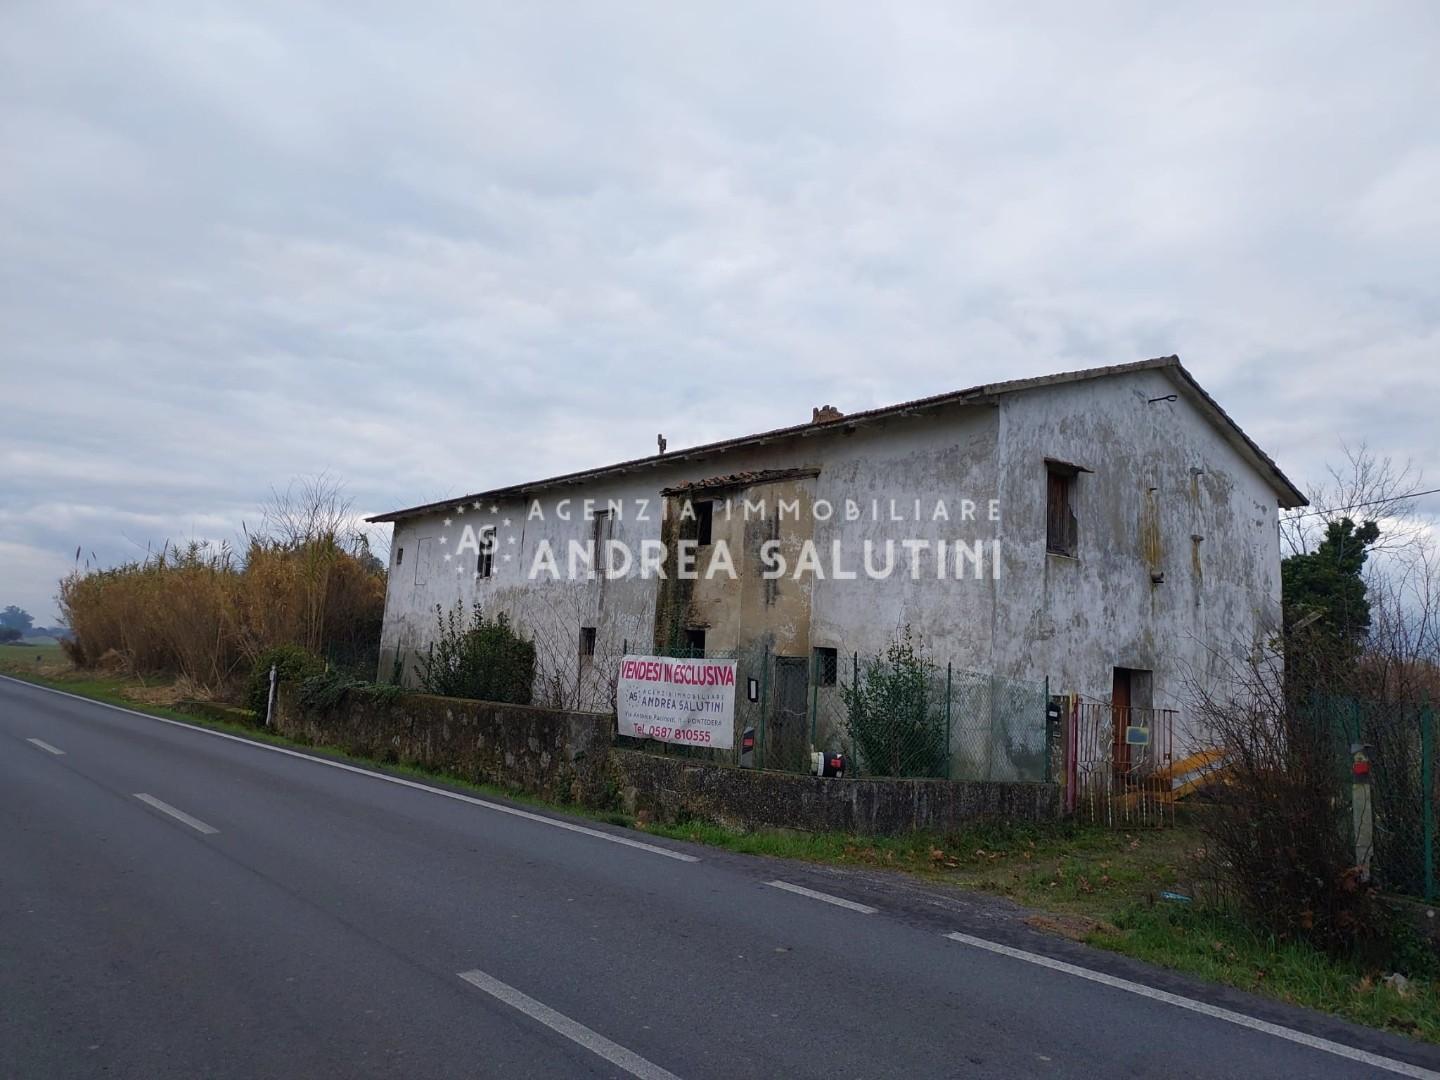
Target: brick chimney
(823, 414)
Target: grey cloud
(435, 248)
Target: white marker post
(270, 702)
(1360, 805)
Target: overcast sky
(435, 249)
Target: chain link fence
(890, 715)
(896, 714)
(359, 661)
(899, 714)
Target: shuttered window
(485, 561)
(1060, 525)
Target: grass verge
(1219, 947)
(1105, 887)
(1136, 893)
(112, 690)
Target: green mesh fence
(905, 716)
(358, 661)
(898, 715)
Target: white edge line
(838, 901)
(498, 807)
(43, 745)
(573, 1030)
(1314, 1042)
(179, 815)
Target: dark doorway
(1120, 704)
(1130, 702)
(789, 734)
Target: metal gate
(1118, 767)
(788, 734)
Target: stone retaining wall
(673, 789)
(569, 757)
(560, 756)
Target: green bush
(294, 663)
(329, 689)
(479, 658)
(895, 712)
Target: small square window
(827, 665)
(587, 642)
(695, 641)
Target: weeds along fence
(1398, 740)
(899, 714)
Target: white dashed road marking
(1402, 1068)
(838, 901)
(573, 1030)
(513, 811)
(179, 815)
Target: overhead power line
(1357, 506)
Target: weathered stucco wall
(673, 789)
(883, 469)
(948, 459)
(550, 611)
(1166, 494)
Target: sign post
(1363, 818)
(691, 702)
(270, 701)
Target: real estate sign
(677, 700)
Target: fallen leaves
(1074, 927)
(939, 857)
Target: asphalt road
(176, 903)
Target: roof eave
(973, 395)
(1290, 496)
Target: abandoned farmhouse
(1110, 532)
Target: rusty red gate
(1118, 762)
